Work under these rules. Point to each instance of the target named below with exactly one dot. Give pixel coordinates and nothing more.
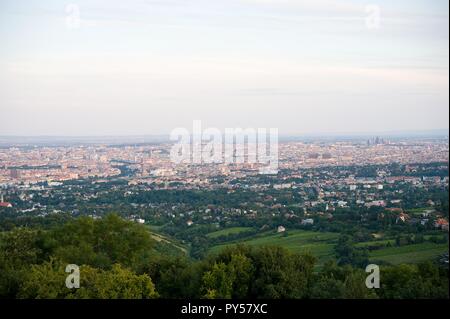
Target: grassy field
(409, 254)
(299, 241)
(374, 243)
(165, 239)
(321, 245)
(228, 231)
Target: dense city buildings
(404, 181)
(28, 165)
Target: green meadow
(228, 231)
(299, 241)
(409, 254)
(321, 245)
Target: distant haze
(98, 68)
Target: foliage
(117, 259)
(47, 281)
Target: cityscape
(195, 209)
(224, 158)
(26, 166)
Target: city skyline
(440, 133)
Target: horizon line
(439, 131)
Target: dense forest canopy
(121, 259)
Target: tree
(414, 281)
(347, 254)
(217, 283)
(117, 283)
(174, 277)
(281, 274)
(101, 243)
(242, 271)
(45, 281)
(229, 276)
(48, 281)
(19, 248)
(341, 282)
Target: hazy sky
(147, 66)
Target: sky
(138, 67)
